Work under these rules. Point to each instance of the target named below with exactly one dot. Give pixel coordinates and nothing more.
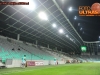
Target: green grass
(69, 69)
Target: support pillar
(48, 46)
(18, 37)
(36, 43)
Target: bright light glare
(61, 31)
(31, 5)
(54, 25)
(43, 16)
(70, 9)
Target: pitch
(68, 69)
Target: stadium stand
(13, 49)
(10, 49)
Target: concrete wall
(1, 64)
(17, 63)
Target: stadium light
(71, 39)
(83, 32)
(78, 24)
(63, 1)
(75, 17)
(54, 25)
(70, 9)
(81, 29)
(67, 36)
(61, 31)
(43, 16)
(31, 5)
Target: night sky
(90, 25)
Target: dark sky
(90, 25)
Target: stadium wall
(17, 63)
(1, 64)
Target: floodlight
(78, 24)
(99, 45)
(75, 17)
(70, 39)
(70, 8)
(31, 5)
(43, 16)
(54, 25)
(67, 36)
(63, 1)
(81, 29)
(61, 31)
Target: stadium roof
(32, 26)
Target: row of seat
(10, 50)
